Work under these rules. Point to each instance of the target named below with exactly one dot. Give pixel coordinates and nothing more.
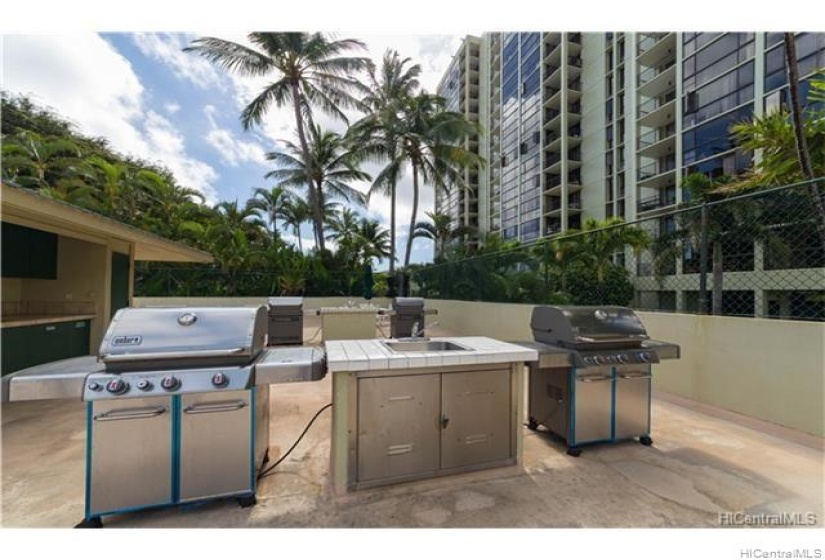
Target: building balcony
(661, 116)
(655, 46)
(552, 76)
(552, 97)
(657, 145)
(655, 176)
(653, 84)
(664, 199)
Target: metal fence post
(703, 261)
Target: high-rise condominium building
(578, 125)
(581, 125)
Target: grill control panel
(102, 386)
(618, 357)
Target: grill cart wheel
(247, 501)
(532, 424)
(91, 523)
(646, 441)
(574, 451)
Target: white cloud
(171, 108)
(231, 149)
(87, 81)
(168, 48)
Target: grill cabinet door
(475, 418)
(131, 454)
(632, 403)
(398, 426)
(216, 444)
(593, 405)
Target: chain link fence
(760, 254)
(203, 281)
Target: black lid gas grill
(177, 404)
(591, 382)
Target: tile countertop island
(400, 416)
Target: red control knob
(117, 386)
(220, 380)
(170, 383)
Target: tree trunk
(298, 235)
(392, 230)
(413, 218)
(317, 211)
(718, 278)
(802, 152)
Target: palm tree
(373, 241)
(33, 161)
(427, 141)
(308, 69)
(379, 130)
(333, 167)
(602, 239)
(344, 231)
(440, 229)
(116, 186)
(295, 212)
(271, 202)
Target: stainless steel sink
(424, 346)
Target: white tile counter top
(371, 354)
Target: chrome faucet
(415, 333)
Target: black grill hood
(587, 327)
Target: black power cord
(297, 441)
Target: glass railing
(655, 69)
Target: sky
(154, 101)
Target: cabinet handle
(215, 407)
(444, 422)
(130, 413)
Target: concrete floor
(704, 462)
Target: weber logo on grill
(127, 340)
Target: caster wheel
(574, 451)
(646, 441)
(532, 424)
(92, 523)
(247, 501)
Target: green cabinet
(28, 253)
(28, 346)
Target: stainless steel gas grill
(592, 380)
(286, 320)
(177, 407)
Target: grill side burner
(591, 382)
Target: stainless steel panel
(131, 454)
(261, 424)
(664, 350)
(190, 381)
(398, 426)
(475, 417)
(632, 403)
(593, 405)
(287, 365)
(215, 444)
(62, 379)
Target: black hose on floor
(297, 441)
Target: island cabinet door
(476, 419)
(398, 429)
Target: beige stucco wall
(12, 289)
(82, 275)
(767, 369)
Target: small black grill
(407, 312)
(286, 321)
